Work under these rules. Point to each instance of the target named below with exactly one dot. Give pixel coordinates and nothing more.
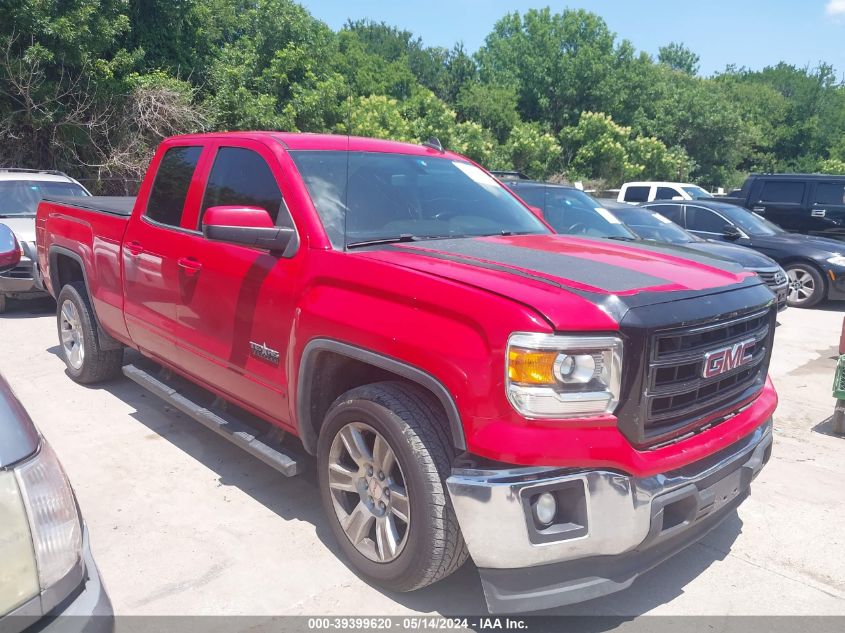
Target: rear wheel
(86, 362)
(384, 456)
(806, 286)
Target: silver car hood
(23, 228)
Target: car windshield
(650, 225)
(20, 198)
(573, 212)
(364, 197)
(697, 193)
(749, 222)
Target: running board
(219, 421)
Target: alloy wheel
(801, 285)
(368, 492)
(73, 342)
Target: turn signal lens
(530, 367)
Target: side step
(261, 446)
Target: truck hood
(556, 274)
(23, 228)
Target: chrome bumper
(601, 513)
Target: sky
(750, 33)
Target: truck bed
(114, 205)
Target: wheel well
(331, 374)
(66, 270)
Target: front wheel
(806, 286)
(86, 362)
(384, 456)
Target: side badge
(262, 352)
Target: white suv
(20, 192)
(636, 192)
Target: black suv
(811, 204)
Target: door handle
(818, 213)
(759, 209)
(134, 248)
(190, 265)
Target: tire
(414, 427)
(80, 348)
(806, 285)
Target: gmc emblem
(723, 360)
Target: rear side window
(830, 193)
(700, 219)
(665, 193)
(782, 191)
(669, 211)
(240, 177)
(172, 181)
(636, 194)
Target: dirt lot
(181, 521)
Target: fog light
(545, 509)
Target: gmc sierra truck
(567, 411)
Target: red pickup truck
(568, 411)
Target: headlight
(550, 376)
(18, 573)
(53, 516)
(837, 260)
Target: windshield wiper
(404, 237)
(622, 238)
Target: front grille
(22, 271)
(772, 278)
(678, 398)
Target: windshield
(749, 222)
(650, 225)
(371, 196)
(573, 212)
(19, 198)
(697, 193)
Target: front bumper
(20, 281)
(86, 608)
(610, 527)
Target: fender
(409, 372)
(105, 340)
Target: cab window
(782, 191)
(172, 181)
(830, 193)
(637, 194)
(240, 177)
(666, 193)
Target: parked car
(636, 192)
(815, 265)
(573, 212)
(812, 204)
(48, 578)
(471, 383)
(10, 250)
(648, 224)
(20, 192)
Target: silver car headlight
(18, 572)
(53, 516)
(552, 376)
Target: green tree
(531, 150)
(495, 107)
(678, 57)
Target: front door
(781, 202)
(237, 308)
(827, 213)
(153, 243)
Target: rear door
(236, 309)
(153, 243)
(705, 223)
(782, 201)
(827, 211)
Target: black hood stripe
(599, 275)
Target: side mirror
(537, 211)
(248, 226)
(730, 232)
(10, 250)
